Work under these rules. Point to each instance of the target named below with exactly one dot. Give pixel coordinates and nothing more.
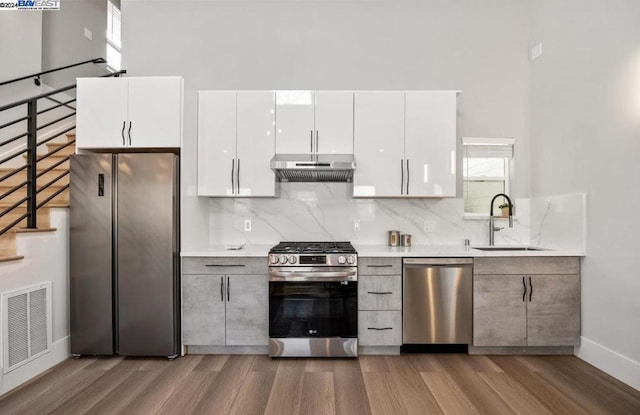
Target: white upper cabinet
(236, 143)
(334, 122)
(256, 144)
(430, 143)
(310, 122)
(216, 143)
(143, 112)
(405, 144)
(294, 122)
(379, 144)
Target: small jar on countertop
(405, 239)
(393, 238)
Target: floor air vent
(26, 333)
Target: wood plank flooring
(408, 384)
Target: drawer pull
(379, 328)
(379, 292)
(223, 265)
(380, 266)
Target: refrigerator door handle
(100, 185)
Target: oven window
(313, 309)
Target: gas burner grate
(313, 248)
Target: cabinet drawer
(379, 328)
(380, 292)
(527, 265)
(379, 266)
(224, 265)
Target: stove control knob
(274, 259)
(283, 259)
(292, 259)
(351, 259)
(341, 259)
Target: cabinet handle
(124, 124)
(224, 265)
(317, 140)
(524, 293)
(238, 176)
(311, 141)
(221, 288)
(233, 183)
(379, 328)
(228, 290)
(129, 133)
(530, 289)
(380, 266)
(407, 177)
(402, 176)
(380, 292)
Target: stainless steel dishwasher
(437, 301)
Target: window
(487, 167)
(113, 36)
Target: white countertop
(381, 251)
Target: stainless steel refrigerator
(124, 262)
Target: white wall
(64, 43)
(46, 259)
(20, 44)
(585, 119)
(432, 44)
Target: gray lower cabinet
(225, 309)
(379, 301)
(526, 309)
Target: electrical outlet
(247, 225)
(356, 225)
(429, 226)
(88, 34)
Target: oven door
(313, 309)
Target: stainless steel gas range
(313, 299)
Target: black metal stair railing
(32, 144)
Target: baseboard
(609, 361)
(59, 352)
(379, 350)
(227, 349)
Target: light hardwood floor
(413, 384)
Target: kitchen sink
(509, 248)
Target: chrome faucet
(493, 228)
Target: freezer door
(91, 311)
(147, 282)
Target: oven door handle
(313, 276)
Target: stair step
(42, 219)
(21, 193)
(21, 176)
(7, 258)
(50, 161)
(8, 243)
(71, 149)
(36, 230)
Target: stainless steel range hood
(313, 167)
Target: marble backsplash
(559, 222)
(327, 211)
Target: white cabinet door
(334, 122)
(430, 143)
(255, 143)
(155, 112)
(294, 122)
(379, 144)
(101, 118)
(216, 143)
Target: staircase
(57, 152)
